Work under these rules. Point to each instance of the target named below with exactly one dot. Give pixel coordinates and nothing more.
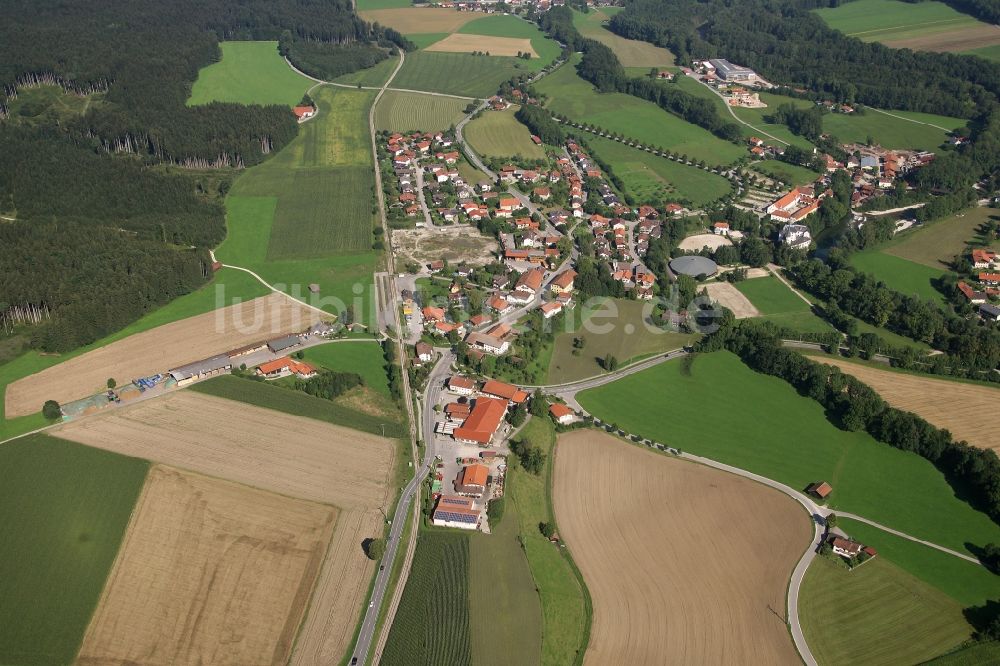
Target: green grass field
(372, 76)
(908, 130)
(630, 52)
(64, 508)
(904, 276)
(989, 53)
(889, 20)
(505, 613)
(877, 613)
(779, 304)
(565, 602)
(789, 174)
(628, 340)
(432, 624)
(370, 5)
(364, 358)
(757, 432)
(651, 179)
(977, 654)
(518, 28)
(499, 134)
(935, 244)
(249, 73)
(297, 403)
(404, 112)
(425, 39)
(758, 118)
(457, 73)
(571, 96)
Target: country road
(737, 118)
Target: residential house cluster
(407, 152)
(875, 169)
(986, 272)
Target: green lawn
(249, 73)
(779, 304)
(987, 52)
(370, 5)
(902, 275)
(790, 174)
(571, 96)
(887, 20)
(457, 73)
(404, 112)
(297, 403)
(364, 358)
(432, 623)
(890, 131)
(630, 52)
(505, 613)
(376, 75)
(518, 28)
(728, 412)
(64, 510)
(651, 179)
(936, 244)
(565, 602)
(500, 134)
(627, 340)
(977, 654)
(878, 614)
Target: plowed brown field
(970, 411)
(210, 572)
(158, 350)
(684, 563)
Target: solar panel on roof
(455, 517)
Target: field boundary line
(908, 25)
(910, 120)
(321, 82)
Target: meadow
(403, 112)
(790, 174)
(899, 130)
(887, 485)
(630, 52)
(977, 654)
(249, 73)
(902, 275)
(566, 606)
(779, 304)
(364, 358)
(457, 73)
(651, 179)
(877, 613)
(630, 340)
(935, 244)
(500, 134)
(432, 623)
(571, 96)
(376, 75)
(65, 509)
(298, 403)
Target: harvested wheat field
(416, 20)
(729, 296)
(497, 46)
(259, 447)
(684, 563)
(210, 572)
(158, 350)
(969, 411)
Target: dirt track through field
(684, 563)
(969, 411)
(731, 297)
(210, 572)
(159, 350)
(495, 46)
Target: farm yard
(404, 112)
(630, 52)
(157, 350)
(500, 134)
(967, 410)
(877, 613)
(621, 328)
(887, 485)
(249, 73)
(778, 304)
(571, 96)
(651, 178)
(456, 244)
(456, 73)
(924, 26)
(65, 509)
(210, 570)
(625, 512)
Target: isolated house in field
(562, 414)
(304, 112)
(285, 366)
(845, 547)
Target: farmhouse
(457, 512)
(424, 352)
(563, 283)
(285, 366)
(973, 296)
(989, 278)
(483, 421)
(504, 391)
(983, 258)
(551, 309)
(209, 367)
(461, 385)
(304, 112)
(720, 228)
(472, 480)
(795, 206)
(562, 414)
(845, 547)
(488, 343)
